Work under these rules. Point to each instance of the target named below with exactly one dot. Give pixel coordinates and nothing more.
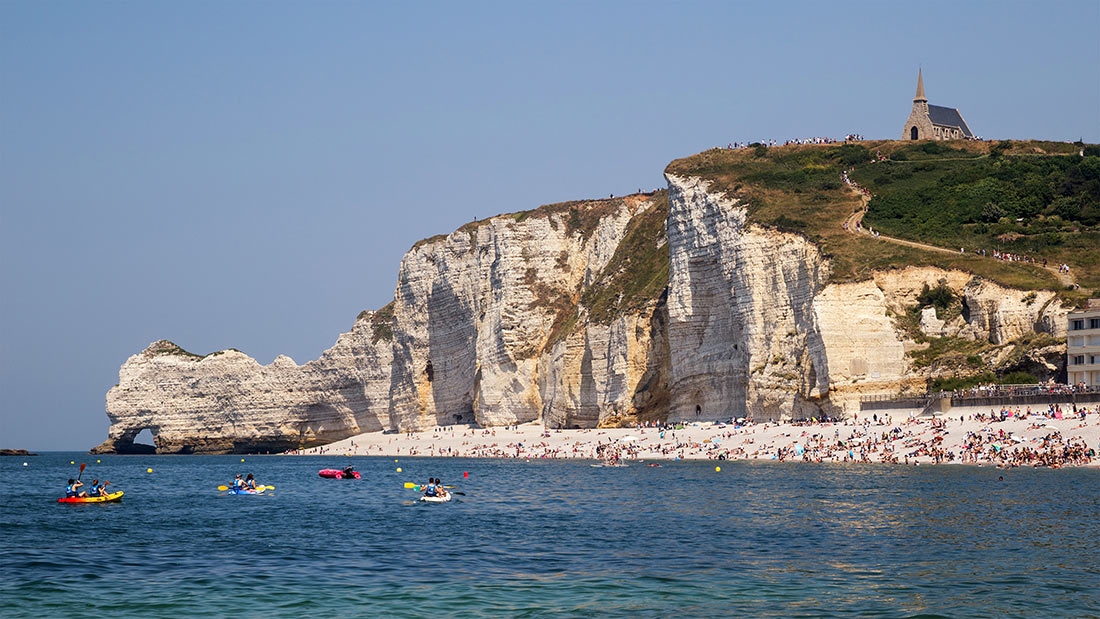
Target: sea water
(547, 538)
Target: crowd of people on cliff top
(851, 137)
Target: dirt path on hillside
(854, 225)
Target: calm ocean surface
(548, 538)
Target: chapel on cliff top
(933, 122)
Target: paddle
(82, 465)
(409, 484)
(224, 488)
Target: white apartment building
(1083, 345)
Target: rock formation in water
(663, 306)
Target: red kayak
(337, 474)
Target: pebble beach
(1052, 437)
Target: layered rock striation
(665, 306)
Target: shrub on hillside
(941, 297)
(1018, 378)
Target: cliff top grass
(166, 347)
(799, 189)
(578, 216)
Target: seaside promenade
(1053, 436)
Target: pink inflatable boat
(338, 474)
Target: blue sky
(249, 174)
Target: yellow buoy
(97, 461)
(71, 462)
(242, 459)
(718, 468)
(395, 460)
(148, 470)
(398, 469)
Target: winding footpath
(854, 225)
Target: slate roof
(948, 117)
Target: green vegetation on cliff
(165, 347)
(638, 271)
(1043, 207)
(800, 189)
(382, 324)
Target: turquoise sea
(548, 538)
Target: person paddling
(96, 489)
(249, 482)
(238, 483)
(74, 488)
(349, 471)
(429, 488)
(439, 491)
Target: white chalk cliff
(541, 316)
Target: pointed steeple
(920, 87)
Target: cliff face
(474, 313)
(650, 307)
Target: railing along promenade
(991, 395)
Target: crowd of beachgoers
(1053, 436)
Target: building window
(1079, 360)
(1077, 341)
(1094, 323)
(1077, 325)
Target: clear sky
(249, 174)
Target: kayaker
(249, 482)
(238, 483)
(429, 488)
(349, 471)
(439, 490)
(96, 489)
(73, 489)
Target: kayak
(436, 499)
(247, 491)
(337, 474)
(114, 496)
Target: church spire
(920, 87)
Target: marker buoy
(148, 470)
(97, 461)
(718, 469)
(398, 469)
(466, 474)
(24, 464)
(242, 459)
(71, 462)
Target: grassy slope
(798, 188)
(1043, 206)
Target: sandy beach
(1008, 437)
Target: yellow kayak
(114, 496)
